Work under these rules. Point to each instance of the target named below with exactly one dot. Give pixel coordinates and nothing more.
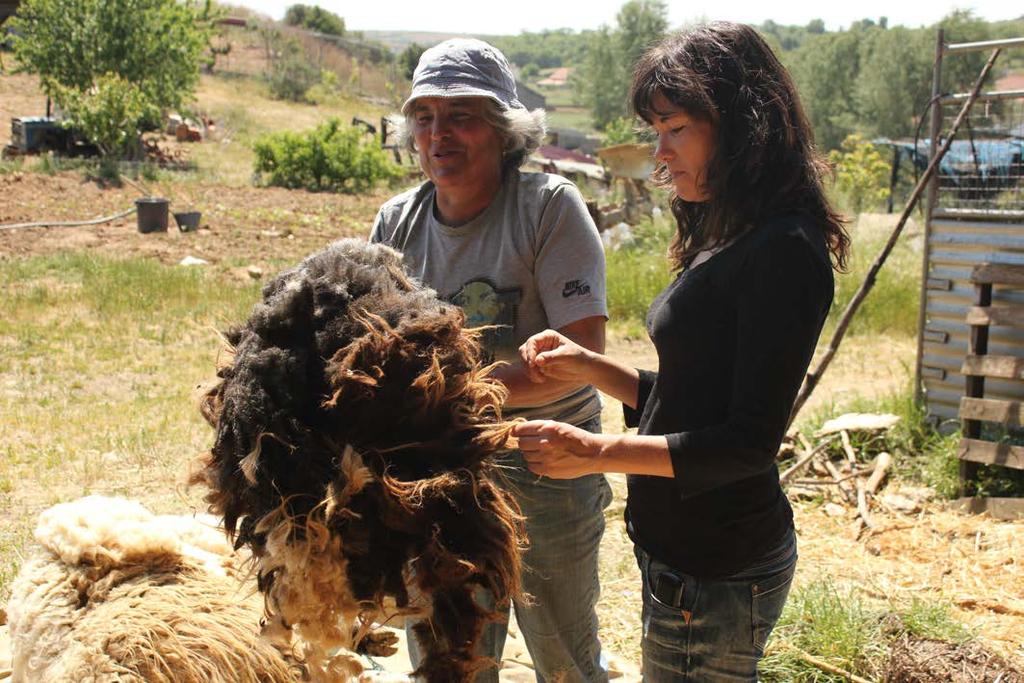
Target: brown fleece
(354, 432)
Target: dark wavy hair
(764, 162)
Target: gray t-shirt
(532, 260)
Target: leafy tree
(815, 26)
(894, 83)
(530, 72)
(603, 82)
(113, 65)
(292, 74)
(547, 49)
(314, 18)
(409, 58)
(641, 24)
(790, 38)
(960, 71)
(825, 68)
(862, 175)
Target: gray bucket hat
(464, 67)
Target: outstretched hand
(552, 355)
(558, 450)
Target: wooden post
(933, 197)
(977, 345)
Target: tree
(603, 82)
(825, 68)
(409, 58)
(314, 18)
(815, 26)
(292, 74)
(641, 23)
(960, 71)
(91, 54)
(894, 83)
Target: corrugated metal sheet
(956, 244)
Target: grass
(637, 272)
(891, 307)
(577, 119)
(99, 362)
(833, 625)
(843, 629)
(558, 97)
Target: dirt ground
(240, 225)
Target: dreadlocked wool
(116, 593)
(354, 428)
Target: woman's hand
(558, 450)
(552, 355)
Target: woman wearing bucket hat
(754, 251)
(519, 253)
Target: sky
(484, 17)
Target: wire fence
(984, 168)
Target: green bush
(329, 157)
(862, 175)
(620, 131)
(292, 74)
(110, 114)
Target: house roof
(559, 76)
(1012, 81)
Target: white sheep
(116, 593)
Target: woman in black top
(735, 331)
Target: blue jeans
(718, 628)
(564, 522)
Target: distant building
(7, 9)
(530, 97)
(559, 78)
(1011, 81)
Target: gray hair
(522, 130)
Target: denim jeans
(719, 628)
(564, 522)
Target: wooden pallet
(974, 407)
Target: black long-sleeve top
(734, 337)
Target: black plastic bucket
(152, 213)
(188, 221)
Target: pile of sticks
(832, 467)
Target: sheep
(354, 433)
(115, 593)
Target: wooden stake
(862, 506)
(814, 376)
(804, 459)
(840, 482)
(851, 455)
(882, 463)
(825, 666)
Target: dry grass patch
(101, 358)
